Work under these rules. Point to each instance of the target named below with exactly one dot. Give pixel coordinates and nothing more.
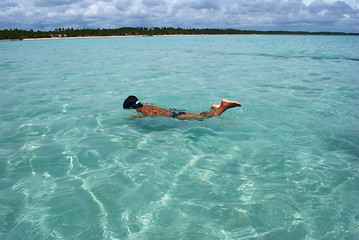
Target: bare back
(151, 111)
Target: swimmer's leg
(225, 104)
(217, 111)
(189, 116)
(215, 106)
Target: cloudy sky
(293, 15)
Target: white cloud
(306, 15)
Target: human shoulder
(153, 111)
(151, 107)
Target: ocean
(285, 165)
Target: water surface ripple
(284, 166)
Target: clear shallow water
(285, 166)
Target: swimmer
(132, 102)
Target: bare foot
(230, 104)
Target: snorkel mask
(137, 104)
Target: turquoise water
(284, 166)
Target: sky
(287, 15)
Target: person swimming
(132, 102)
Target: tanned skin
(217, 110)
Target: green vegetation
(141, 31)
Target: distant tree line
(20, 34)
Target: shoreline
(164, 35)
(63, 38)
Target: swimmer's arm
(139, 116)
